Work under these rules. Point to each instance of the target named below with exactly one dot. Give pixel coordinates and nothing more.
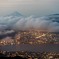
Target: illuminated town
(31, 37)
(31, 55)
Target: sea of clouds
(31, 22)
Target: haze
(29, 7)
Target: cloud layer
(47, 23)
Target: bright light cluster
(31, 37)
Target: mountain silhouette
(15, 14)
(52, 17)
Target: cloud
(37, 23)
(46, 23)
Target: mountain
(15, 14)
(10, 20)
(53, 17)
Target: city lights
(31, 37)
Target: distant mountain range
(53, 17)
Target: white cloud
(27, 23)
